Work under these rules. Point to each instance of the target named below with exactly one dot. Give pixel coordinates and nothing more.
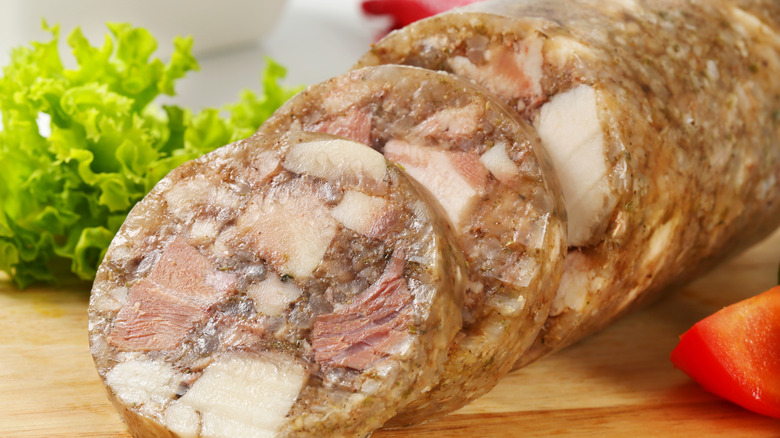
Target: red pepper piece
(404, 12)
(735, 353)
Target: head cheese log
(661, 118)
(486, 171)
(295, 286)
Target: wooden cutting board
(617, 383)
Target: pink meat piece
(155, 319)
(433, 159)
(451, 124)
(383, 222)
(514, 75)
(369, 350)
(354, 125)
(471, 169)
(185, 271)
(456, 179)
(508, 68)
(176, 295)
(370, 328)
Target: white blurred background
(314, 39)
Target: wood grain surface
(617, 383)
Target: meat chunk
(651, 139)
(484, 171)
(231, 398)
(375, 325)
(348, 162)
(451, 123)
(571, 132)
(354, 125)
(165, 306)
(456, 179)
(272, 295)
(327, 299)
(368, 215)
(293, 232)
(514, 74)
(156, 319)
(183, 270)
(497, 161)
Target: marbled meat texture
(280, 286)
(486, 171)
(661, 117)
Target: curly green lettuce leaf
(79, 147)
(252, 110)
(209, 130)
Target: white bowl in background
(214, 24)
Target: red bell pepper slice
(735, 353)
(405, 12)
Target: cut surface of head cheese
(297, 285)
(485, 171)
(662, 177)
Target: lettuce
(80, 146)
